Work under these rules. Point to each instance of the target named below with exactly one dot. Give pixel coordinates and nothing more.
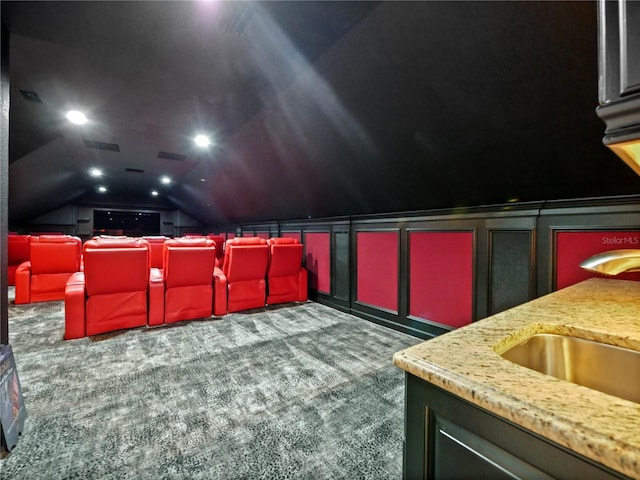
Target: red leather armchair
(286, 277)
(245, 268)
(52, 260)
(17, 253)
(187, 277)
(112, 291)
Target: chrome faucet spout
(613, 262)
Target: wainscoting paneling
(377, 269)
(511, 272)
(613, 214)
(318, 261)
(441, 277)
(297, 235)
(572, 247)
(426, 273)
(341, 270)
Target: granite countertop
(467, 363)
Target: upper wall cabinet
(619, 77)
(619, 45)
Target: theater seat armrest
(303, 291)
(23, 283)
(74, 307)
(156, 297)
(219, 292)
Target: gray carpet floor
(294, 391)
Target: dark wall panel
(341, 266)
(574, 247)
(318, 260)
(377, 269)
(441, 277)
(511, 275)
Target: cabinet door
(618, 52)
(629, 47)
(447, 437)
(458, 453)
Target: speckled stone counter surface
(467, 363)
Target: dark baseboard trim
(425, 333)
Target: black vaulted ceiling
(317, 108)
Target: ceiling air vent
(111, 147)
(172, 156)
(30, 96)
(134, 170)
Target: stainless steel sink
(607, 368)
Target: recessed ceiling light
(202, 180)
(165, 180)
(95, 172)
(76, 117)
(102, 189)
(202, 141)
(154, 193)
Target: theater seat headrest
(54, 239)
(115, 242)
(247, 241)
(190, 242)
(283, 241)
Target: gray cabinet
(619, 50)
(619, 69)
(447, 437)
(629, 35)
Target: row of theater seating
(19, 247)
(112, 283)
(55, 256)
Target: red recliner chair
(286, 277)
(112, 292)
(17, 253)
(245, 269)
(187, 277)
(52, 260)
